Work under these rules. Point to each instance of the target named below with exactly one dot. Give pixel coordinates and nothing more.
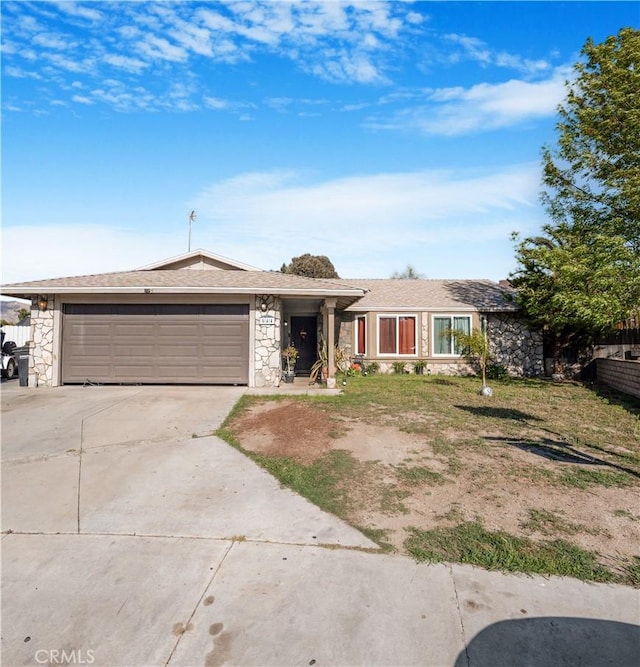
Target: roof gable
(199, 260)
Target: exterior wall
(435, 365)
(267, 369)
(623, 375)
(515, 346)
(346, 332)
(42, 352)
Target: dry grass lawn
(423, 461)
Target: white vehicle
(8, 363)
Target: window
(361, 334)
(397, 334)
(443, 339)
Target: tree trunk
(558, 367)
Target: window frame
(356, 335)
(397, 317)
(450, 316)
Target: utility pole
(192, 217)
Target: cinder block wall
(623, 375)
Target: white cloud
(81, 99)
(483, 107)
(216, 103)
(270, 216)
(53, 41)
(74, 9)
(444, 223)
(20, 73)
(472, 48)
(126, 63)
(193, 38)
(160, 48)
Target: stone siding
(621, 374)
(267, 363)
(345, 332)
(41, 351)
(515, 346)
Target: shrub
(399, 367)
(372, 368)
(497, 372)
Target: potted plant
(321, 364)
(419, 366)
(289, 356)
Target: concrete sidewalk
(138, 538)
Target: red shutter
(362, 345)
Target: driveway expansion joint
(198, 602)
(459, 614)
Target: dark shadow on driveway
(553, 641)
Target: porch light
(42, 303)
(264, 306)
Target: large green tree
(312, 266)
(592, 174)
(582, 275)
(575, 287)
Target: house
(201, 318)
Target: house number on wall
(267, 319)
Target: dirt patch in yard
(437, 478)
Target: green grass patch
(377, 535)
(632, 572)
(419, 475)
(320, 481)
(583, 478)
(391, 500)
(552, 523)
(471, 543)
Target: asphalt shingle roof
(383, 294)
(246, 281)
(376, 294)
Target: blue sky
(380, 134)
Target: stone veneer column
(515, 346)
(41, 349)
(267, 363)
(424, 335)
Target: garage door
(142, 343)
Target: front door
(304, 337)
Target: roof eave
(18, 291)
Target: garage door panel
(190, 344)
(134, 329)
(177, 330)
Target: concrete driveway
(132, 536)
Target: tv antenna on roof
(192, 217)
